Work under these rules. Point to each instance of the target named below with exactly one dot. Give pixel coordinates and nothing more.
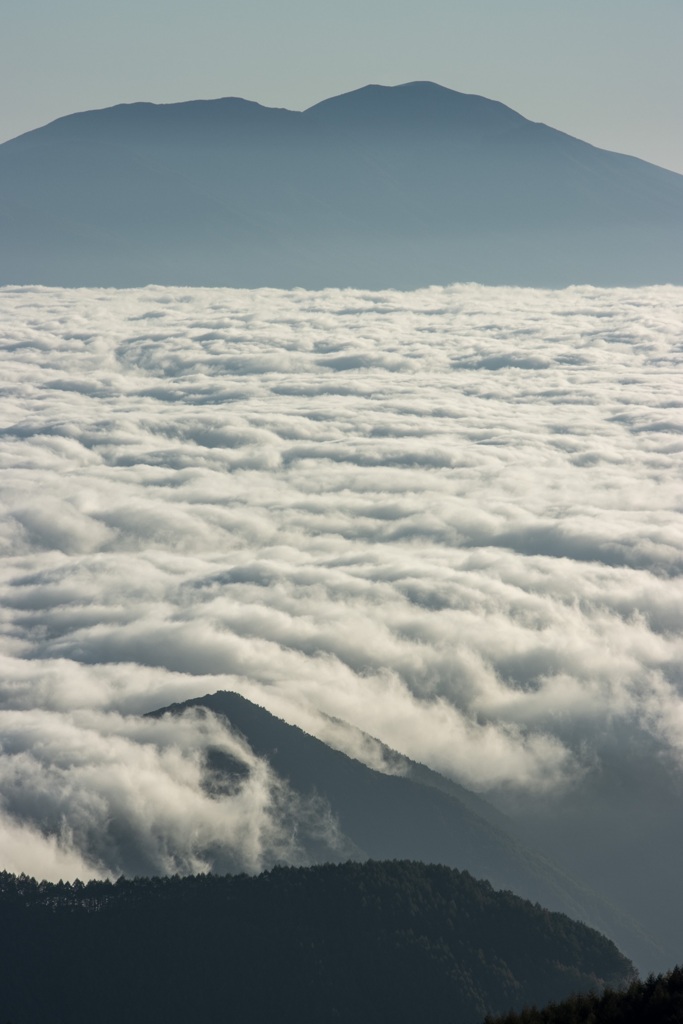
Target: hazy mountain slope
(630, 806)
(140, 193)
(412, 816)
(402, 186)
(352, 943)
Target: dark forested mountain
(657, 1000)
(416, 815)
(403, 186)
(356, 943)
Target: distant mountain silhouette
(386, 186)
(352, 944)
(416, 815)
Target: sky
(607, 72)
(450, 517)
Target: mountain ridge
(322, 106)
(349, 943)
(394, 816)
(385, 186)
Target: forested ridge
(657, 1000)
(371, 942)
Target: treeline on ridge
(356, 942)
(657, 1000)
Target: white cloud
(450, 517)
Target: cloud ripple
(450, 517)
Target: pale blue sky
(608, 71)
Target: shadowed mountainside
(359, 943)
(386, 186)
(416, 815)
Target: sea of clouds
(449, 517)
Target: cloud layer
(450, 517)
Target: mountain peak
(414, 103)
